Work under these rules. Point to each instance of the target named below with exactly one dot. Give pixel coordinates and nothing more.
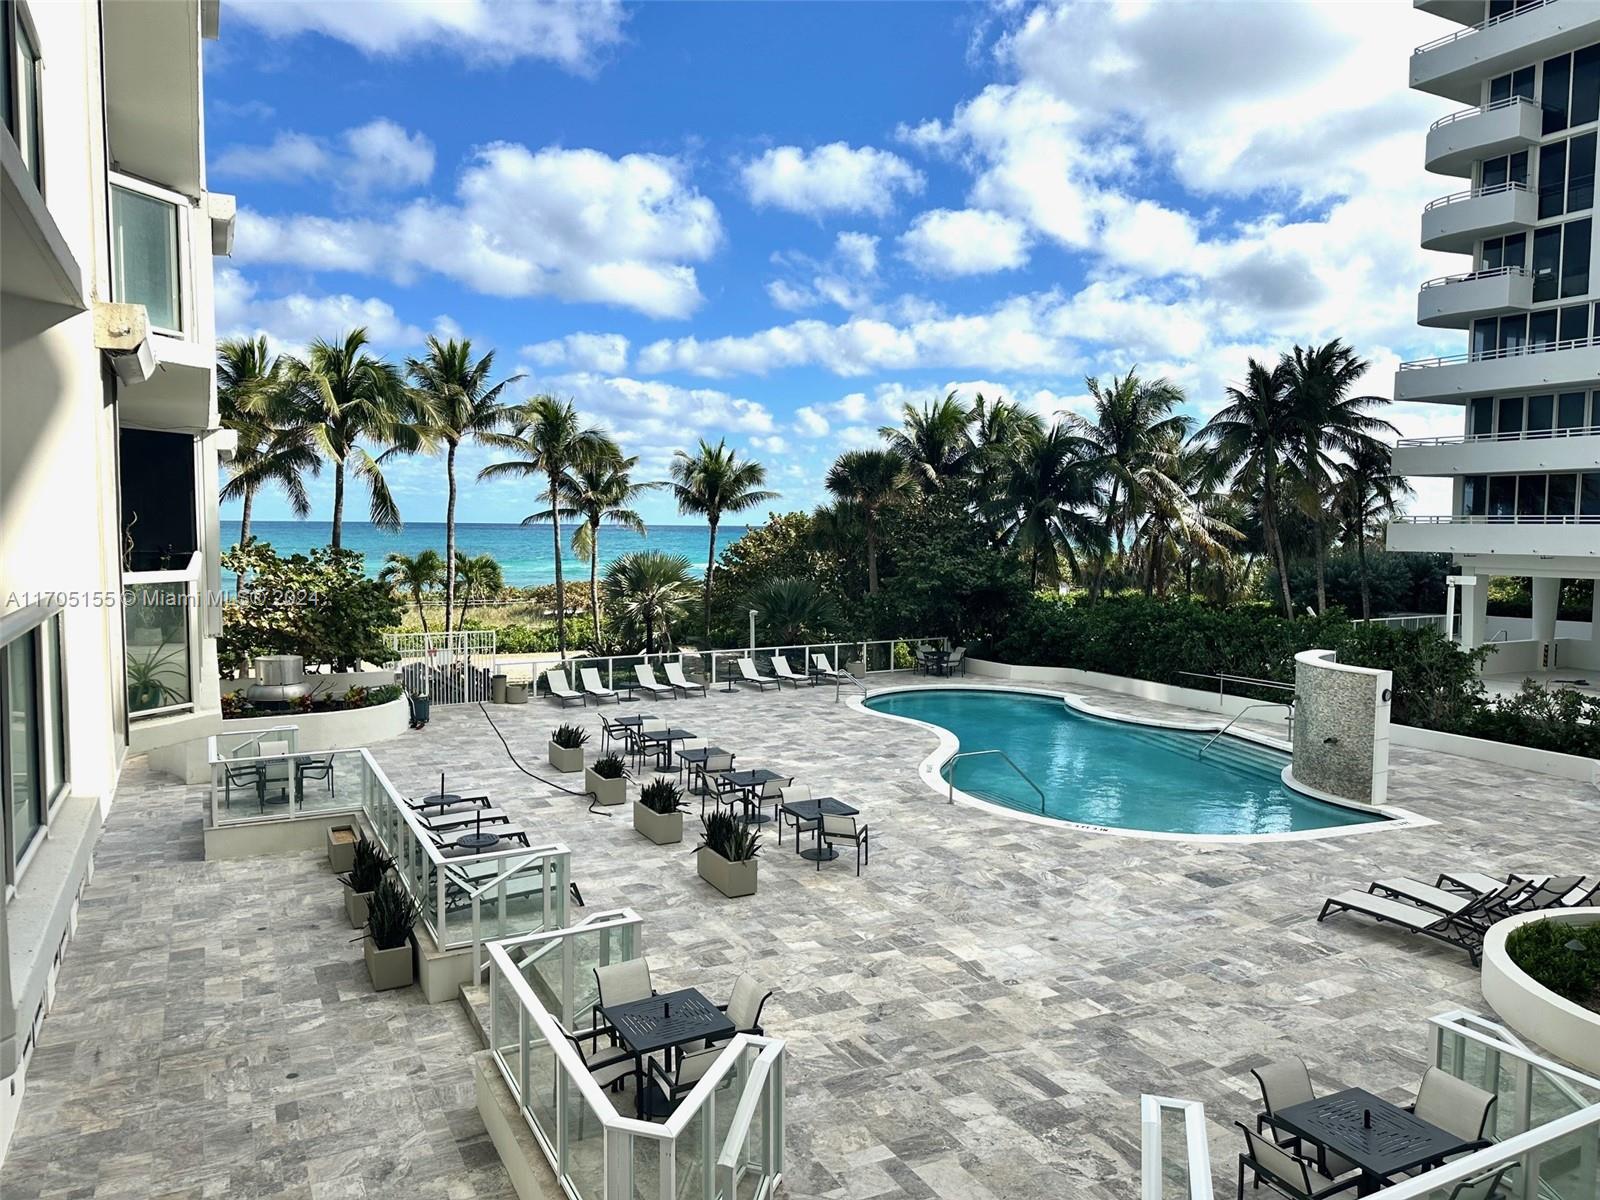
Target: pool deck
(974, 1017)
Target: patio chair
(244, 775)
(646, 676)
(593, 687)
(610, 732)
(711, 786)
(677, 679)
(749, 674)
(608, 1065)
(1283, 1083)
(1454, 1105)
(691, 1068)
(620, 983)
(957, 661)
(745, 1005)
(1462, 929)
(845, 829)
(1283, 1171)
(640, 740)
(1443, 901)
(316, 766)
(784, 674)
(794, 793)
(559, 686)
(461, 818)
(689, 744)
(823, 669)
(1486, 1185)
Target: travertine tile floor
(974, 1017)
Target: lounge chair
(677, 679)
(1284, 1171)
(1444, 901)
(560, 687)
(646, 676)
(780, 669)
(1462, 929)
(1474, 883)
(593, 687)
(749, 674)
(821, 667)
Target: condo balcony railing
(1473, 356)
(1480, 109)
(1481, 26)
(1493, 189)
(1498, 519)
(1490, 273)
(1514, 435)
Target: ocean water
(524, 552)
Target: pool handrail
(950, 773)
(1289, 704)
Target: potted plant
(658, 812)
(566, 748)
(390, 915)
(342, 840)
(727, 854)
(151, 680)
(368, 865)
(607, 780)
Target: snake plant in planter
(566, 748)
(726, 856)
(658, 812)
(368, 865)
(390, 915)
(607, 779)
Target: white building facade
(108, 447)
(1525, 468)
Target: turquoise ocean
(524, 552)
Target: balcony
(1455, 65)
(1525, 537)
(1459, 140)
(1500, 453)
(154, 117)
(1455, 301)
(1457, 222)
(1462, 12)
(1548, 367)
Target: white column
(1546, 602)
(1474, 609)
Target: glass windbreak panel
(144, 255)
(539, 1101)
(1502, 495)
(1546, 262)
(1530, 495)
(156, 617)
(1589, 494)
(1510, 415)
(586, 1142)
(1482, 416)
(1552, 179)
(1570, 410)
(1580, 173)
(506, 1034)
(1557, 86)
(1542, 329)
(1475, 495)
(1575, 258)
(1586, 85)
(1563, 496)
(24, 787)
(1574, 322)
(1541, 414)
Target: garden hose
(592, 797)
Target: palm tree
(1184, 522)
(1367, 494)
(999, 431)
(649, 591)
(870, 481)
(1045, 504)
(273, 447)
(712, 482)
(596, 491)
(479, 576)
(794, 610)
(346, 394)
(414, 575)
(932, 440)
(1328, 421)
(548, 438)
(462, 405)
(1253, 436)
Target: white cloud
(847, 278)
(575, 224)
(288, 156)
(965, 242)
(377, 156)
(494, 32)
(859, 251)
(836, 178)
(607, 352)
(292, 320)
(808, 422)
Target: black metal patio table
(1381, 1138)
(662, 739)
(814, 810)
(749, 783)
(665, 1022)
(700, 755)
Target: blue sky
(778, 223)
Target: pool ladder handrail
(950, 773)
(1289, 704)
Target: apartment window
(1571, 92)
(1566, 176)
(1518, 83)
(1482, 416)
(1557, 92)
(1552, 179)
(1586, 85)
(1530, 495)
(1509, 168)
(1575, 257)
(1563, 496)
(33, 749)
(1570, 408)
(1546, 262)
(1542, 329)
(1575, 323)
(1589, 496)
(24, 116)
(1541, 414)
(1580, 173)
(1506, 251)
(1475, 495)
(146, 264)
(1502, 495)
(1510, 416)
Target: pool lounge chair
(676, 678)
(781, 669)
(561, 687)
(1444, 901)
(1475, 883)
(646, 676)
(749, 674)
(820, 666)
(1462, 929)
(593, 687)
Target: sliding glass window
(1570, 410)
(1586, 85)
(1546, 262)
(1589, 495)
(1552, 179)
(1563, 498)
(1557, 92)
(1575, 258)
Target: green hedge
(1540, 949)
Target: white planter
(732, 879)
(355, 907)
(857, 668)
(389, 969)
(342, 847)
(606, 791)
(1567, 1030)
(567, 759)
(664, 829)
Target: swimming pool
(1114, 774)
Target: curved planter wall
(1568, 1031)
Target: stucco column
(1474, 611)
(1546, 602)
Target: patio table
(1381, 1138)
(697, 757)
(748, 784)
(665, 1022)
(814, 810)
(662, 739)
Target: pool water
(1114, 773)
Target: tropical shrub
(1541, 949)
(319, 606)
(732, 837)
(1399, 583)
(390, 914)
(568, 736)
(662, 796)
(235, 705)
(368, 865)
(609, 766)
(1548, 719)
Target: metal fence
(447, 668)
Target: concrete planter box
(516, 693)
(355, 907)
(389, 969)
(857, 668)
(606, 791)
(342, 847)
(1567, 1030)
(664, 829)
(567, 759)
(732, 879)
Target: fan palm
(413, 574)
(870, 481)
(462, 404)
(710, 483)
(346, 395)
(932, 440)
(649, 592)
(1045, 505)
(274, 447)
(794, 610)
(478, 575)
(1367, 494)
(548, 438)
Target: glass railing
(724, 1139)
(160, 629)
(272, 782)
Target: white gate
(447, 668)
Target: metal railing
(1405, 621)
(1473, 356)
(1223, 679)
(950, 773)
(1289, 704)
(1512, 435)
(876, 655)
(1489, 273)
(1477, 193)
(1478, 110)
(1448, 38)
(1162, 1174)
(1498, 519)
